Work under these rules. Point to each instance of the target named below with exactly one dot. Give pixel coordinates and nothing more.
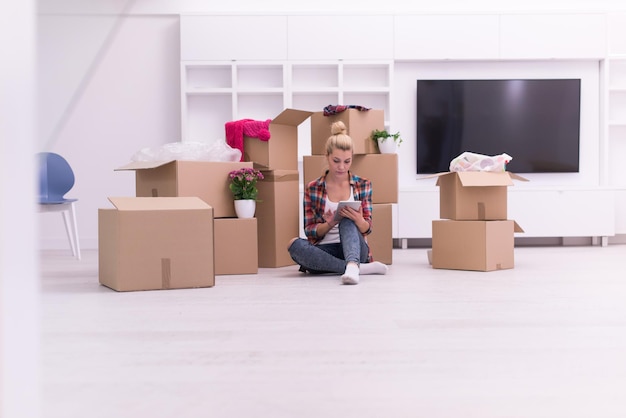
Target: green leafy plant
(383, 135)
(243, 183)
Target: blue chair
(56, 178)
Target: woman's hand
(329, 217)
(356, 216)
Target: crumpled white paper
(470, 161)
(190, 151)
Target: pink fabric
(236, 130)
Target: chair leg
(68, 230)
(75, 230)
(71, 228)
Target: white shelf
(616, 111)
(208, 91)
(261, 90)
(324, 90)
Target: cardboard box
(473, 245)
(278, 215)
(236, 248)
(380, 169)
(381, 238)
(280, 152)
(207, 180)
(147, 243)
(359, 125)
(474, 195)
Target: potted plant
(245, 192)
(387, 143)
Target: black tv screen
(535, 121)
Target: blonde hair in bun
(338, 138)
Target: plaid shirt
(315, 202)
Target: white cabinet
(563, 212)
(341, 37)
(616, 24)
(540, 212)
(537, 36)
(418, 37)
(217, 38)
(417, 208)
(239, 66)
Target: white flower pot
(388, 146)
(245, 208)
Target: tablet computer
(354, 204)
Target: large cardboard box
(147, 243)
(473, 245)
(380, 169)
(381, 239)
(359, 125)
(278, 215)
(474, 195)
(280, 152)
(207, 180)
(236, 248)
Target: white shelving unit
(616, 118)
(242, 78)
(214, 93)
(616, 99)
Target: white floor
(546, 339)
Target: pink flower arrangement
(243, 183)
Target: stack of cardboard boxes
(278, 209)
(380, 169)
(233, 241)
(180, 230)
(474, 232)
(142, 247)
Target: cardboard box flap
(291, 117)
(142, 165)
(517, 176)
(158, 203)
(516, 227)
(480, 178)
(280, 175)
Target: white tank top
(332, 236)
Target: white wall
(110, 81)
(121, 93)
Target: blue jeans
(331, 258)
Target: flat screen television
(535, 121)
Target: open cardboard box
(359, 126)
(149, 243)
(207, 180)
(474, 195)
(280, 152)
